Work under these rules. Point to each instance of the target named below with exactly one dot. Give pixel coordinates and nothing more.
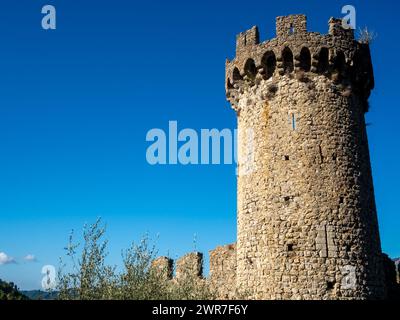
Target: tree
(9, 291)
(90, 278)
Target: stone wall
(223, 271)
(164, 266)
(393, 287)
(307, 222)
(190, 265)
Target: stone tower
(307, 222)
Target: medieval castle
(307, 221)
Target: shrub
(366, 36)
(90, 278)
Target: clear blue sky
(76, 104)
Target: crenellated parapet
(164, 266)
(336, 55)
(223, 266)
(190, 265)
(222, 271)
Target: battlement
(336, 55)
(222, 273)
(336, 29)
(291, 25)
(248, 38)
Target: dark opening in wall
(291, 29)
(293, 121)
(290, 247)
(268, 63)
(229, 84)
(286, 199)
(341, 200)
(321, 155)
(340, 62)
(323, 60)
(357, 73)
(286, 158)
(250, 69)
(287, 58)
(305, 60)
(334, 157)
(236, 74)
(330, 285)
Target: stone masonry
(307, 222)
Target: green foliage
(9, 291)
(90, 278)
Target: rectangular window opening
(291, 29)
(293, 122)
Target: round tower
(307, 222)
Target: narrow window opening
(290, 247)
(341, 200)
(291, 29)
(286, 158)
(286, 199)
(334, 157)
(293, 121)
(321, 155)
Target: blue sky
(76, 104)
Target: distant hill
(9, 291)
(40, 295)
